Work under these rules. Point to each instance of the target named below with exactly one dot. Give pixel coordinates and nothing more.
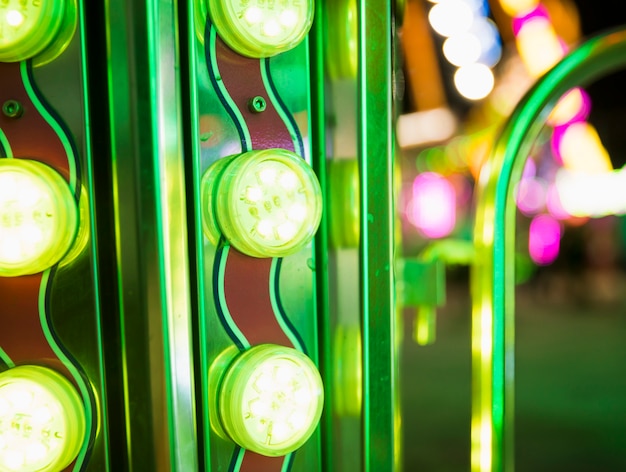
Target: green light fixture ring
(259, 28)
(42, 420)
(267, 203)
(38, 217)
(271, 399)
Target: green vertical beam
(317, 47)
(149, 207)
(375, 132)
(493, 284)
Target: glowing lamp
(42, 420)
(266, 203)
(261, 29)
(27, 28)
(38, 217)
(271, 399)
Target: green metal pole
(149, 210)
(374, 117)
(492, 284)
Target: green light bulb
(271, 399)
(259, 28)
(38, 217)
(42, 420)
(266, 203)
(28, 27)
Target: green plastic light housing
(42, 420)
(259, 28)
(267, 203)
(29, 27)
(271, 399)
(38, 217)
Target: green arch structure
(492, 279)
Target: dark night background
(570, 391)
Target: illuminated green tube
(492, 284)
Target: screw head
(12, 109)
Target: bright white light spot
(268, 175)
(297, 212)
(474, 81)
(450, 17)
(271, 28)
(259, 408)
(36, 452)
(582, 194)
(253, 15)
(287, 231)
(31, 234)
(254, 194)
(289, 18)
(14, 459)
(288, 180)
(10, 248)
(42, 415)
(14, 18)
(462, 49)
(265, 228)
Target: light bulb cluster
(38, 217)
(42, 422)
(259, 28)
(271, 399)
(267, 203)
(472, 43)
(27, 28)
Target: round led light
(271, 399)
(38, 217)
(28, 27)
(260, 28)
(42, 420)
(266, 203)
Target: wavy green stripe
(84, 389)
(222, 301)
(4, 142)
(220, 84)
(276, 310)
(293, 132)
(6, 359)
(54, 124)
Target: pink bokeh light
(544, 239)
(432, 208)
